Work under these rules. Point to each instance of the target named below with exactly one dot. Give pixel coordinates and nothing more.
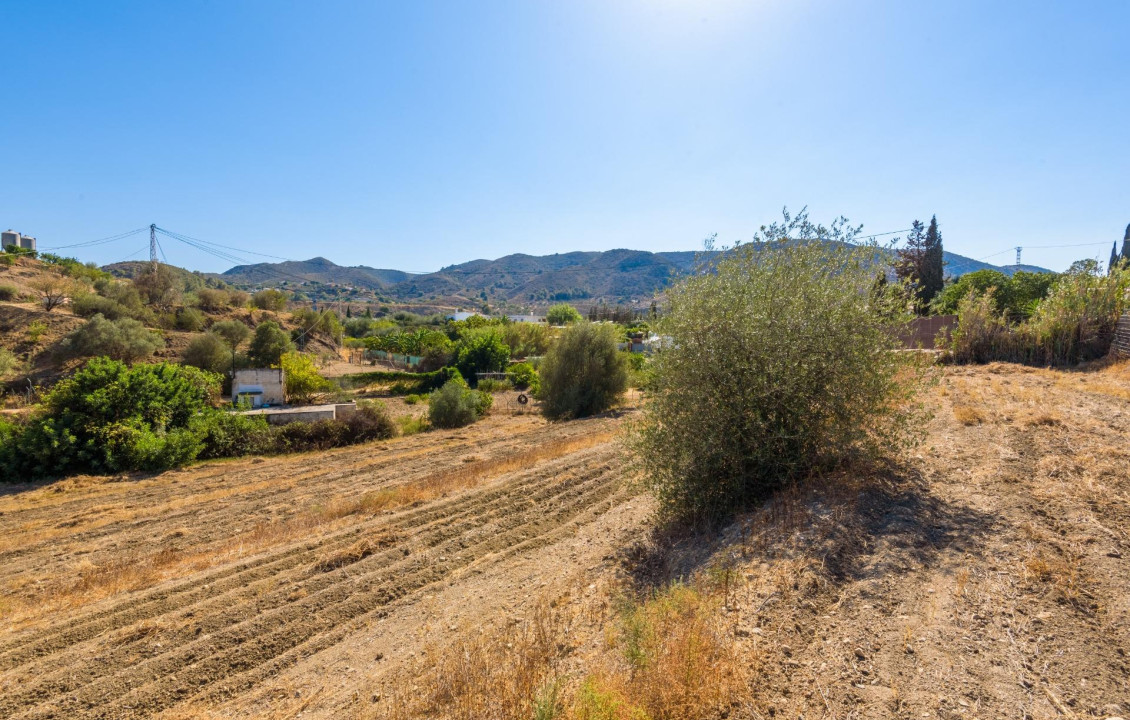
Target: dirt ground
(985, 576)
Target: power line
(100, 241)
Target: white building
(261, 387)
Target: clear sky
(419, 134)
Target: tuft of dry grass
(968, 415)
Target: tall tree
(933, 266)
(1114, 256)
(912, 258)
(1126, 245)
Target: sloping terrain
(984, 576)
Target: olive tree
(778, 360)
(584, 372)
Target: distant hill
(317, 269)
(612, 276)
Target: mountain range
(612, 276)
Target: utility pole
(153, 245)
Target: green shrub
(481, 350)
(8, 362)
(412, 399)
(410, 424)
(524, 377)
(455, 405)
(781, 363)
(189, 320)
(584, 373)
(229, 434)
(369, 422)
(490, 385)
(208, 351)
(109, 417)
(8, 293)
(212, 299)
(269, 344)
(124, 339)
(35, 331)
(303, 381)
(273, 300)
(562, 315)
(1074, 323)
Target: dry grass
(138, 571)
(968, 415)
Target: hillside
(612, 276)
(984, 576)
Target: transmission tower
(153, 244)
(1018, 249)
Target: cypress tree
(933, 264)
(1126, 245)
(1113, 256)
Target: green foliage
(1074, 323)
(526, 338)
(212, 299)
(409, 382)
(303, 381)
(124, 339)
(562, 314)
(208, 351)
(525, 377)
(369, 422)
(160, 287)
(109, 417)
(920, 262)
(481, 350)
(35, 331)
(8, 293)
(233, 332)
(8, 362)
(270, 299)
(412, 399)
(75, 269)
(584, 373)
(311, 322)
(455, 405)
(269, 344)
(1016, 296)
(189, 319)
(489, 385)
(781, 363)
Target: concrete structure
(308, 413)
(526, 318)
(11, 237)
(259, 386)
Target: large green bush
(109, 417)
(563, 314)
(270, 299)
(481, 350)
(123, 339)
(455, 405)
(779, 362)
(208, 351)
(1016, 296)
(269, 344)
(1074, 323)
(584, 372)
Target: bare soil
(985, 576)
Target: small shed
(260, 387)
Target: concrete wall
(922, 331)
(271, 380)
(284, 417)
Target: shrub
(8, 292)
(212, 299)
(269, 344)
(489, 385)
(481, 350)
(273, 300)
(229, 434)
(189, 320)
(369, 422)
(124, 339)
(455, 405)
(35, 331)
(109, 417)
(525, 338)
(1074, 323)
(238, 298)
(524, 377)
(303, 381)
(54, 290)
(583, 373)
(8, 362)
(208, 352)
(159, 287)
(412, 399)
(89, 304)
(781, 363)
(562, 314)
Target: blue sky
(418, 134)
